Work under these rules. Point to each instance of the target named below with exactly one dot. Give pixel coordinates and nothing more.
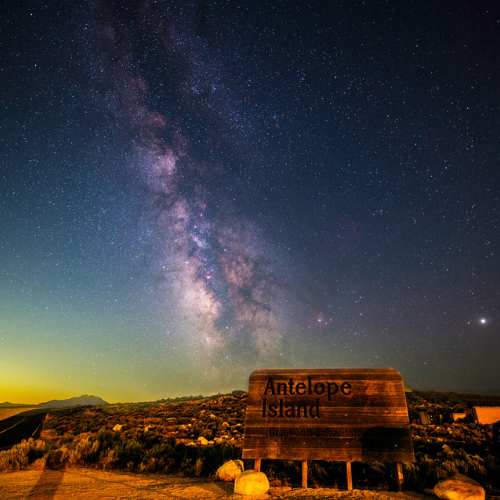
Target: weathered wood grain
(327, 414)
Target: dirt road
(21, 426)
(85, 484)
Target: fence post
(304, 473)
(399, 471)
(349, 475)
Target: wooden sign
(327, 414)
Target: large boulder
(229, 471)
(459, 487)
(251, 482)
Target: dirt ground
(88, 484)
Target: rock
(229, 471)
(118, 427)
(251, 482)
(203, 441)
(459, 487)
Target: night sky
(190, 191)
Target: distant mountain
(82, 400)
(13, 405)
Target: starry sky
(192, 190)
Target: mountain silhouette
(81, 400)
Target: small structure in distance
(486, 414)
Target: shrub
(444, 469)
(199, 466)
(214, 456)
(110, 461)
(105, 438)
(160, 457)
(129, 454)
(86, 452)
(412, 477)
(326, 473)
(207, 434)
(56, 458)
(284, 472)
(23, 455)
(492, 466)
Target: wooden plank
(349, 475)
(328, 414)
(257, 464)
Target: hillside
(195, 437)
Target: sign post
(328, 414)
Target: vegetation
(194, 436)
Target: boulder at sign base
(459, 487)
(251, 482)
(229, 471)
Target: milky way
(217, 274)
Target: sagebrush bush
(445, 469)
(109, 460)
(106, 439)
(492, 466)
(284, 472)
(159, 458)
(86, 452)
(412, 477)
(214, 456)
(129, 454)
(199, 466)
(57, 458)
(23, 456)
